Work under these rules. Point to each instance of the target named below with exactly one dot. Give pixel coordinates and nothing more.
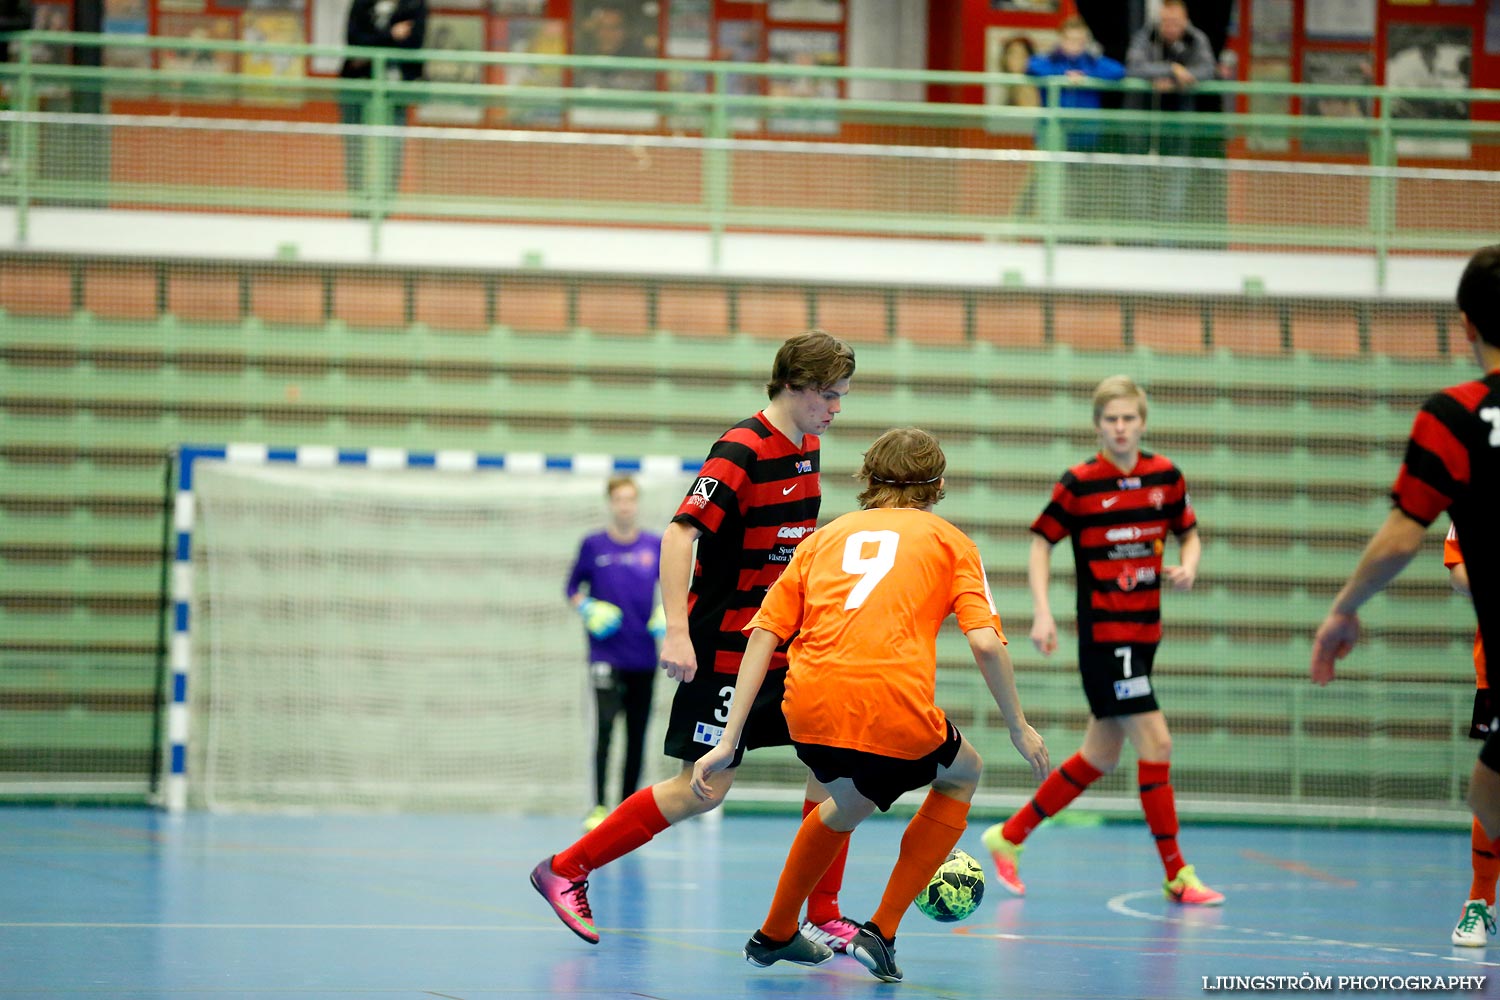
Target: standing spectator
(15, 15)
(1477, 921)
(396, 24)
(1175, 57)
(613, 588)
(864, 599)
(1086, 192)
(756, 497)
(1118, 508)
(1452, 464)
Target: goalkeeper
(613, 589)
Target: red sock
(1061, 787)
(823, 904)
(1485, 854)
(633, 823)
(812, 849)
(1161, 812)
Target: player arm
(1458, 577)
(753, 667)
(1039, 578)
(1386, 555)
(1183, 576)
(675, 571)
(993, 660)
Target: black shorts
(1482, 722)
(880, 779)
(701, 707)
(1117, 677)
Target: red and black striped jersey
(1118, 523)
(755, 499)
(1452, 463)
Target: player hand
(1044, 634)
(1028, 742)
(678, 658)
(1336, 637)
(717, 759)
(1180, 577)
(601, 618)
(657, 626)
(401, 30)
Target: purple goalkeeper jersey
(625, 576)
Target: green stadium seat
(613, 307)
(772, 312)
(693, 310)
(931, 317)
(534, 305)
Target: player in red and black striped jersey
(1119, 509)
(1452, 463)
(755, 499)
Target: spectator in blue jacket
(1074, 58)
(1086, 185)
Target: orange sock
(814, 847)
(1485, 855)
(823, 904)
(929, 837)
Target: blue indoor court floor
(128, 904)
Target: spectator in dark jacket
(398, 24)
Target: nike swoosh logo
(789, 489)
(1109, 502)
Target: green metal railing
(1049, 188)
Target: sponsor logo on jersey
(1129, 483)
(793, 532)
(1157, 498)
(705, 732)
(1130, 578)
(1132, 687)
(1108, 502)
(1133, 550)
(804, 465)
(781, 554)
(703, 491)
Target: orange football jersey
(1452, 556)
(865, 596)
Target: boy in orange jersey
(864, 598)
(1477, 922)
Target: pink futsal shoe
(1188, 889)
(835, 933)
(1006, 855)
(570, 900)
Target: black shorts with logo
(879, 778)
(701, 707)
(1482, 722)
(1117, 677)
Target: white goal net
(392, 638)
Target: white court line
(1120, 904)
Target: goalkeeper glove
(657, 626)
(601, 618)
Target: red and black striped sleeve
(1057, 521)
(1435, 469)
(717, 492)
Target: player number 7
(870, 569)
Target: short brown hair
(814, 359)
(615, 482)
(903, 468)
(1072, 24)
(1117, 387)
